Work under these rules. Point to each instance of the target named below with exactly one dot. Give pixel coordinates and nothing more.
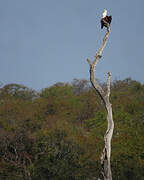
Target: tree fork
(105, 155)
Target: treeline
(57, 133)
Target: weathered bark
(105, 156)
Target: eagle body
(105, 19)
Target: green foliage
(58, 135)
(57, 158)
(97, 121)
(59, 90)
(17, 91)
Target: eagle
(105, 19)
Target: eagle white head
(104, 13)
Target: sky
(43, 42)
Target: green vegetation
(57, 134)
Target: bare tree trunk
(105, 156)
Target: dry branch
(105, 156)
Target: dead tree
(105, 156)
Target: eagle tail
(102, 25)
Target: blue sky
(47, 41)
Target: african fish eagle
(105, 19)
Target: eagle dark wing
(106, 20)
(109, 19)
